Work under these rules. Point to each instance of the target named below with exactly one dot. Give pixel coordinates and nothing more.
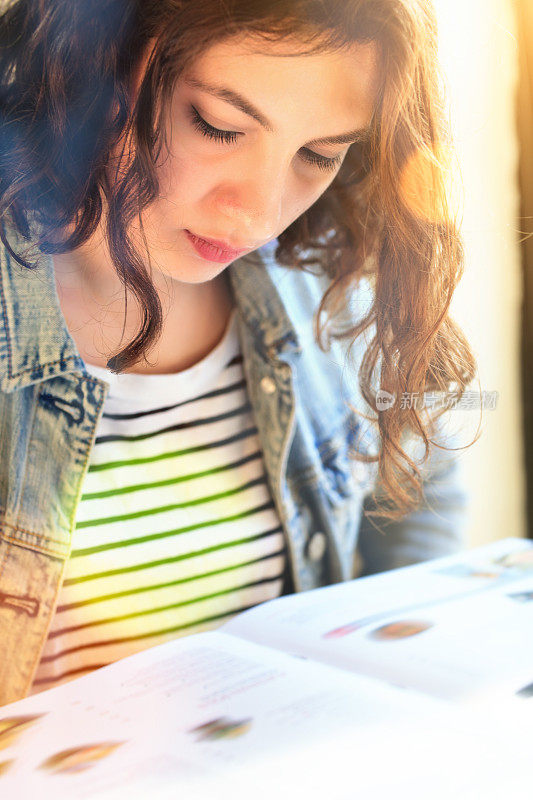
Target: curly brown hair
(65, 69)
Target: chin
(198, 272)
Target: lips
(213, 249)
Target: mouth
(213, 249)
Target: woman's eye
(230, 137)
(322, 162)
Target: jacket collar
(35, 343)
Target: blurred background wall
(480, 56)
(524, 20)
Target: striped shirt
(176, 531)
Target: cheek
(303, 199)
(183, 179)
(190, 186)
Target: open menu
(363, 688)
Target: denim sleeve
(436, 528)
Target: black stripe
(146, 612)
(103, 598)
(69, 673)
(180, 426)
(162, 510)
(175, 453)
(192, 554)
(238, 359)
(232, 387)
(151, 635)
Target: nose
(253, 210)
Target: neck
(91, 296)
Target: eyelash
(230, 137)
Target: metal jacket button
(267, 385)
(317, 546)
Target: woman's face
(246, 156)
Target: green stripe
(121, 618)
(153, 537)
(138, 487)
(173, 453)
(172, 507)
(154, 587)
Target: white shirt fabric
(176, 531)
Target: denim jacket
(303, 400)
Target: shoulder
(302, 291)
(325, 379)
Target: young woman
(206, 207)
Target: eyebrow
(229, 96)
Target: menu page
(204, 710)
(455, 628)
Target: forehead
(283, 78)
